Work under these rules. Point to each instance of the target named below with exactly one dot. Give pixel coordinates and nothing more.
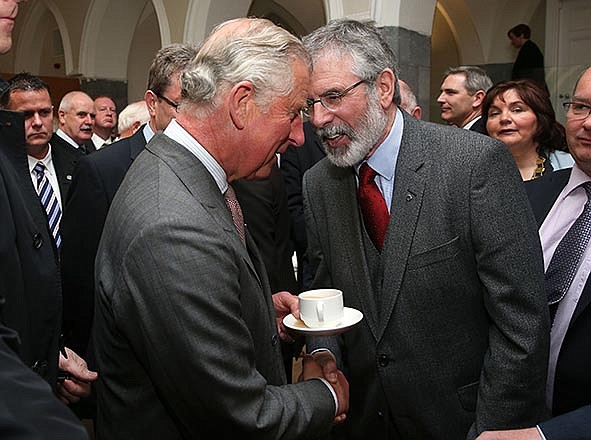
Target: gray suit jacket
(456, 340)
(186, 339)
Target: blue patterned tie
(568, 253)
(49, 202)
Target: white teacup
(321, 307)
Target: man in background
(131, 118)
(462, 93)
(530, 60)
(76, 115)
(29, 290)
(105, 121)
(95, 183)
(408, 100)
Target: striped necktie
(49, 202)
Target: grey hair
(408, 98)
(261, 53)
(136, 111)
(362, 41)
(168, 61)
(476, 78)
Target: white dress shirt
(567, 208)
(61, 133)
(49, 172)
(99, 142)
(383, 160)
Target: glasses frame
(168, 101)
(310, 103)
(566, 106)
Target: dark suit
(294, 163)
(29, 409)
(479, 127)
(184, 324)
(529, 64)
(29, 275)
(572, 385)
(454, 339)
(64, 161)
(95, 183)
(264, 206)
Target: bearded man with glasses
(434, 245)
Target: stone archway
(107, 36)
(29, 51)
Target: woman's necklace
(540, 168)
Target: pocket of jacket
(468, 394)
(442, 252)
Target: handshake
(320, 365)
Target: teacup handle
(320, 311)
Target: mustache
(86, 127)
(330, 131)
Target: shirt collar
(577, 178)
(148, 132)
(469, 125)
(47, 161)
(61, 133)
(383, 160)
(177, 133)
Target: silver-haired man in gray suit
(428, 231)
(186, 332)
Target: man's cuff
(540, 432)
(334, 395)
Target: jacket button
(383, 360)
(37, 240)
(274, 340)
(380, 414)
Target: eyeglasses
(168, 101)
(576, 110)
(331, 101)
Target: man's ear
(240, 101)
(385, 87)
(151, 98)
(478, 98)
(61, 116)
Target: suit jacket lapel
(409, 187)
(202, 186)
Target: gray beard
(372, 124)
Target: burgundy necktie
(236, 211)
(373, 206)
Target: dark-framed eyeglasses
(331, 101)
(168, 101)
(576, 110)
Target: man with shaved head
(76, 115)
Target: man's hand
(512, 434)
(78, 385)
(285, 303)
(312, 369)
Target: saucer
(350, 318)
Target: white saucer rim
(355, 317)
